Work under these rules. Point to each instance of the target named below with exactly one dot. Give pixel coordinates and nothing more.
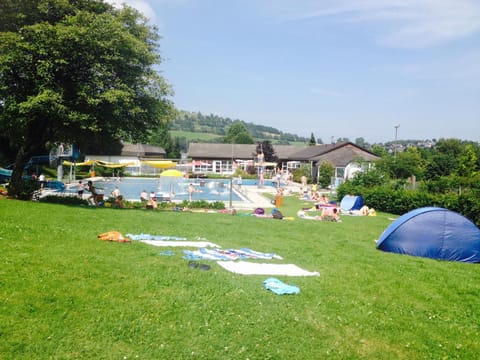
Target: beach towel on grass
(250, 268)
(229, 254)
(280, 288)
(199, 244)
(156, 237)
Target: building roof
(339, 154)
(344, 155)
(207, 151)
(306, 153)
(142, 150)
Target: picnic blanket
(250, 268)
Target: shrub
(203, 204)
(64, 200)
(401, 201)
(27, 189)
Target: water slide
(5, 174)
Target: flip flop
(204, 267)
(193, 264)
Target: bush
(203, 204)
(64, 200)
(26, 189)
(401, 201)
(304, 169)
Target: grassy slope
(194, 135)
(65, 294)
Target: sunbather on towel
(364, 211)
(330, 214)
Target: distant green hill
(194, 126)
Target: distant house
(346, 157)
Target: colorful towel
(229, 254)
(250, 268)
(279, 287)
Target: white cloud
(405, 23)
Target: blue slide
(5, 174)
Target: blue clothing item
(191, 256)
(279, 287)
(166, 253)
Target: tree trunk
(15, 188)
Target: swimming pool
(172, 188)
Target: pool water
(172, 188)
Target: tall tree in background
(268, 151)
(360, 141)
(237, 133)
(312, 141)
(76, 71)
(161, 137)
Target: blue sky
(337, 68)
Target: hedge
(401, 201)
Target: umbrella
(172, 172)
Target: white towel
(199, 244)
(250, 268)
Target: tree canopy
(237, 133)
(78, 72)
(266, 148)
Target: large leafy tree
(266, 148)
(403, 165)
(237, 133)
(76, 71)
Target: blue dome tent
(435, 233)
(351, 202)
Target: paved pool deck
(254, 196)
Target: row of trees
(447, 175)
(449, 158)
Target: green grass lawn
(64, 294)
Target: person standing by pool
(144, 196)
(81, 189)
(261, 180)
(191, 190)
(41, 178)
(93, 193)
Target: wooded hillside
(214, 124)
